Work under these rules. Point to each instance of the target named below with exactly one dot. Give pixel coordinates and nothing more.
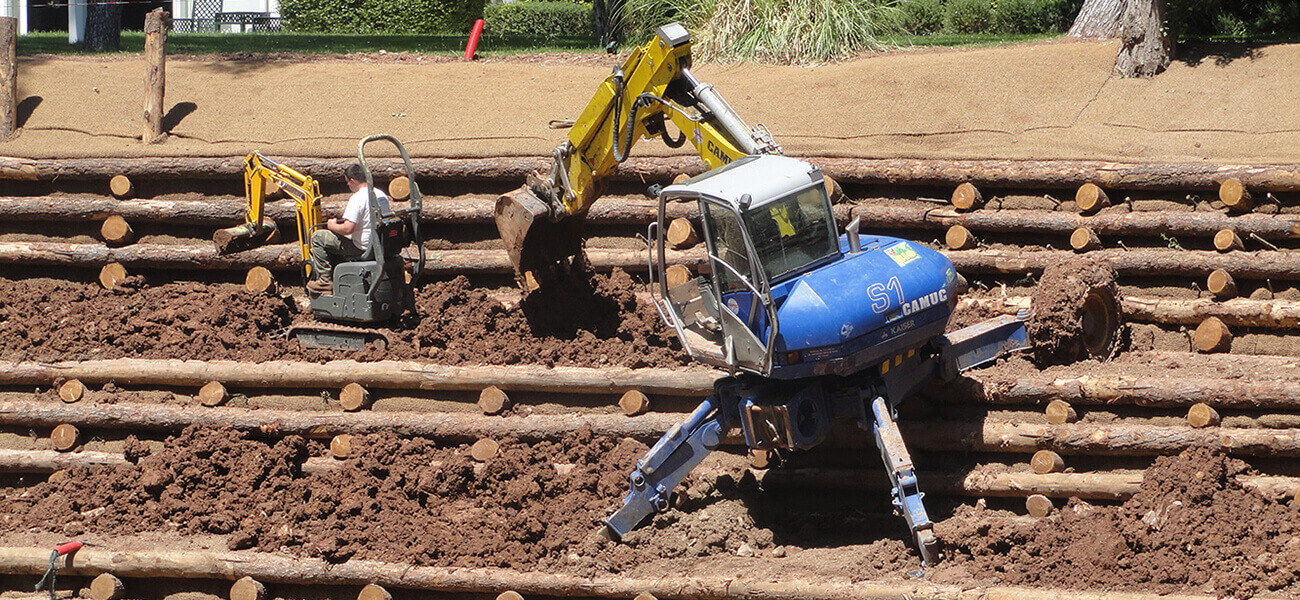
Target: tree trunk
(104, 27)
(1147, 44)
(1098, 19)
(8, 77)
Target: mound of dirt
(52, 320)
(1192, 527)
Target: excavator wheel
(541, 251)
(1075, 313)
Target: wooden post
(1202, 415)
(8, 77)
(1235, 196)
(111, 275)
(399, 188)
(493, 401)
(1084, 239)
(1221, 284)
(247, 588)
(354, 397)
(681, 234)
(155, 73)
(72, 390)
(1046, 461)
(1038, 505)
(121, 186)
(105, 586)
(341, 446)
(116, 231)
(1059, 412)
(1090, 198)
(1226, 240)
(484, 449)
(960, 238)
(213, 394)
(967, 197)
(1212, 336)
(634, 403)
(65, 437)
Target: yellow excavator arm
(260, 174)
(540, 223)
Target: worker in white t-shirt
(346, 237)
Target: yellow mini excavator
(541, 222)
(368, 290)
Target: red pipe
(473, 39)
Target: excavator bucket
(245, 237)
(541, 251)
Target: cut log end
(399, 188)
(245, 237)
(680, 177)
(677, 275)
(353, 397)
(341, 446)
(493, 401)
(213, 393)
(65, 437)
(833, 189)
(1212, 335)
(1202, 415)
(1227, 240)
(510, 595)
(72, 390)
(106, 586)
(374, 592)
(121, 186)
(1235, 196)
(1059, 412)
(634, 403)
(111, 275)
(116, 231)
(484, 449)
(681, 234)
(645, 596)
(1090, 198)
(1084, 239)
(1038, 506)
(761, 459)
(247, 588)
(260, 281)
(967, 197)
(1221, 284)
(1046, 461)
(960, 238)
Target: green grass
(132, 42)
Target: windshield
(792, 232)
(727, 244)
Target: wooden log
(399, 188)
(1212, 336)
(65, 437)
(289, 570)
(52, 461)
(1090, 198)
(240, 238)
(960, 238)
(1201, 415)
(341, 446)
(8, 77)
(1084, 239)
(1159, 392)
(493, 401)
(833, 189)
(484, 449)
(634, 403)
(681, 234)
(1038, 506)
(1060, 412)
(111, 274)
(121, 187)
(155, 75)
(213, 393)
(1146, 262)
(760, 458)
(378, 375)
(373, 592)
(1221, 284)
(1243, 312)
(510, 595)
(72, 390)
(354, 397)
(116, 231)
(106, 586)
(1235, 196)
(260, 281)
(1097, 440)
(1046, 461)
(967, 197)
(247, 588)
(677, 275)
(1227, 240)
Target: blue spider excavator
(811, 325)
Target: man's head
(355, 175)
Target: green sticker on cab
(902, 253)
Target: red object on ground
(67, 547)
(473, 39)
